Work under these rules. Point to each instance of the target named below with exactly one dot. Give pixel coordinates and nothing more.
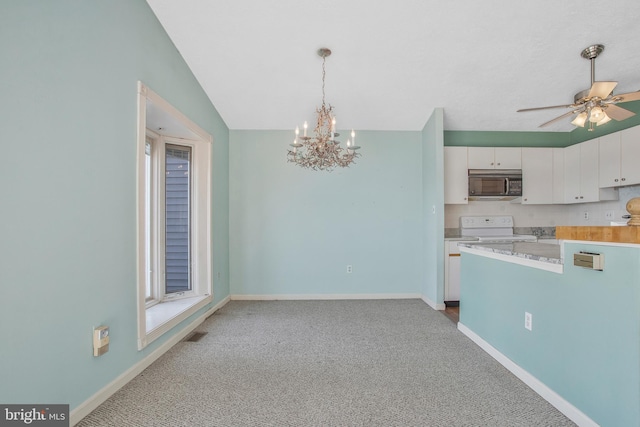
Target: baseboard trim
(570, 411)
(292, 297)
(433, 304)
(106, 392)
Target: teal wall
(586, 326)
(540, 139)
(68, 247)
(506, 139)
(433, 197)
(293, 231)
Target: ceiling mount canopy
(594, 106)
(324, 52)
(322, 151)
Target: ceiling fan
(597, 104)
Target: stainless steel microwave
(495, 184)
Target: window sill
(164, 316)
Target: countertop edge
(595, 242)
(513, 258)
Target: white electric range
(476, 230)
(496, 229)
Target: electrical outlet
(349, 269)
(585, 215)
(528, 321)
(609, 215)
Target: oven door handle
(506, 186)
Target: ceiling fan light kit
(596, 105)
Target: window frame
(160, 313)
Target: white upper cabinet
(610, 160)
(509, 158)
(456, 183)
(495, 158)
(572, 174)
(581, 174)
(590, 189)
(537, 176)
(630, 156)
(481, 158)
(558, 175)
(619, 158)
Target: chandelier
(322, 151)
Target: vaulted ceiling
(394, 61)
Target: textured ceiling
(394, 61)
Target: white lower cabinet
(452, 271)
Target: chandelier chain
(324, 59)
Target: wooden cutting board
(621, 234)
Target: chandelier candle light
(323, 151)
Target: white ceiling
(394, 61)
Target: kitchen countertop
(454, 234)
(616, 234)
(539, 232)
(462, 238)
(543, 252)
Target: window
(174, 217)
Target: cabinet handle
(581, 197)
(576, 197)
(615, 180)
(491, 163)
(498, 164)
(624, 179)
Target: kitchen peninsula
(544, 256)
(580, 345)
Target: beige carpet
(326, 363)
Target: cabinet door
(630, 158)
(609, 153)
(508, 158)
(572, 174)
(537, 176)
(452, 273)
(456, 182)
(481, 158)
(589, 182)
(453, 291)
(558, 175)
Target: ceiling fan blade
(602, 89)
(545, 108)
(559, 118)
(626, 97)
(618, 113)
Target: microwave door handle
(506, 186)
